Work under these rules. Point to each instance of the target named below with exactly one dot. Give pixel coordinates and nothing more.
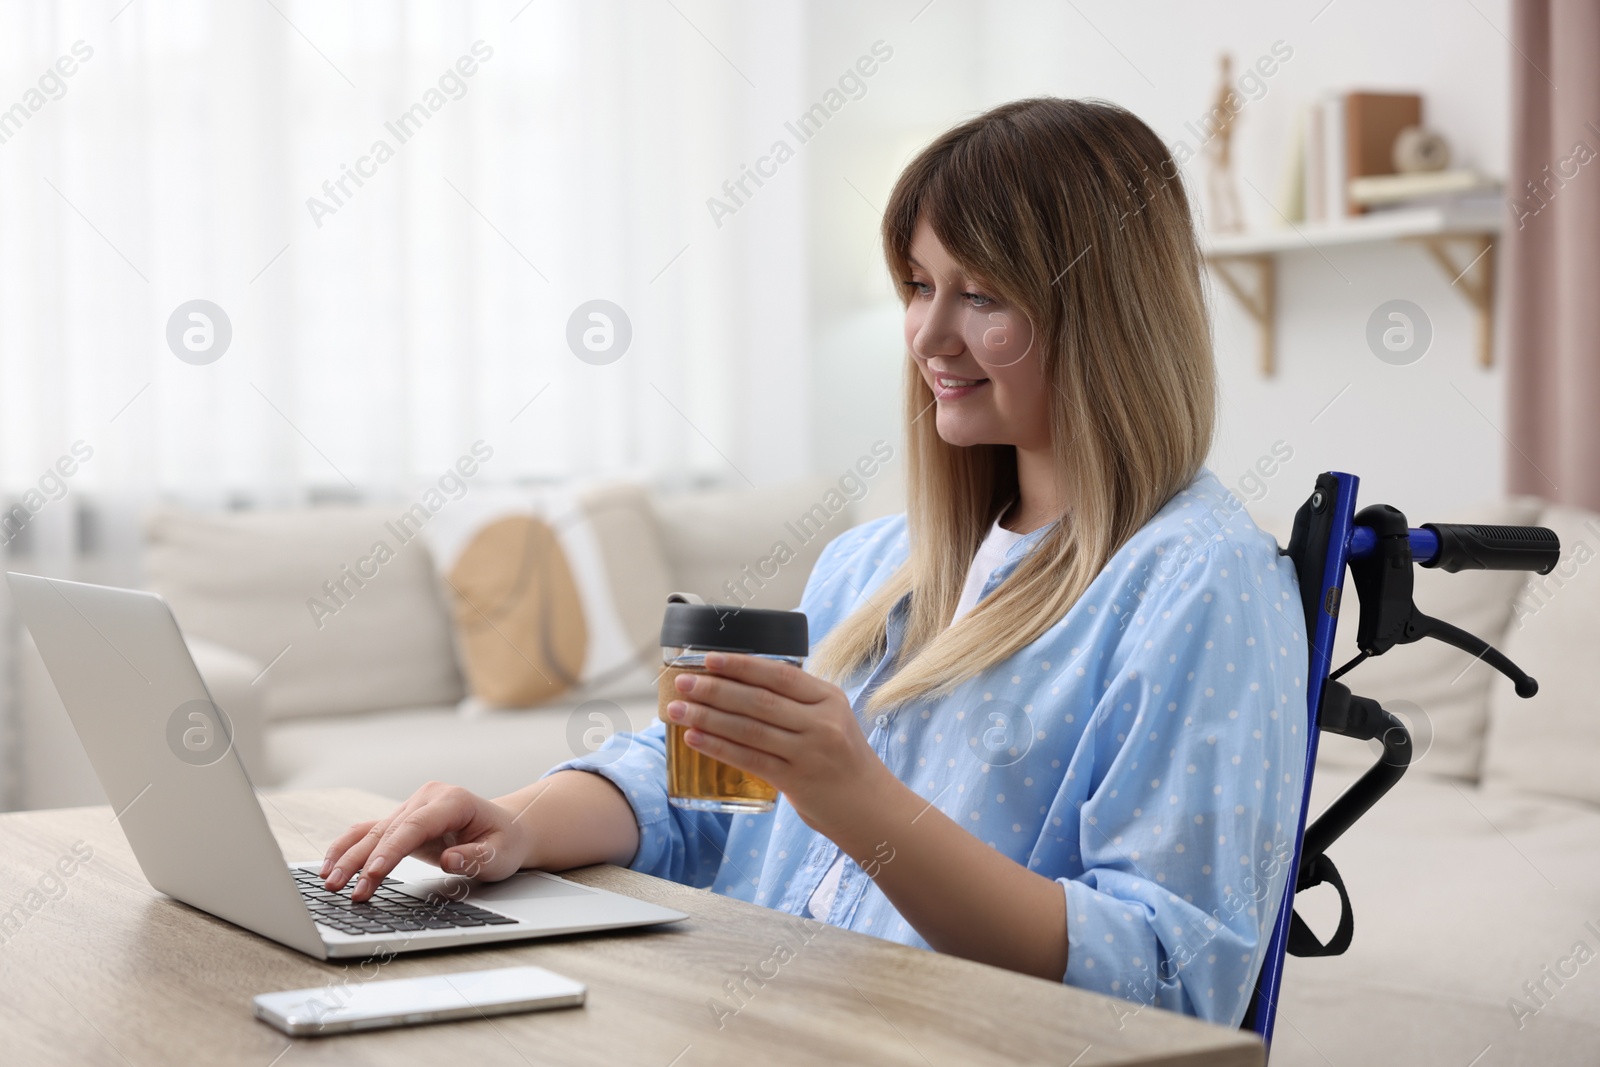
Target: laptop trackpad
(526, 886)
(423, 878)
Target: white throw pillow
(1551, 743)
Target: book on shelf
(1372, 123)
(1348, 138)
(1382, 190)
(1292, 183)
(1334, 204)
(1311, 171)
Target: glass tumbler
(688, 631)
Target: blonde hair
(1075, 214)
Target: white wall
(1420, 436)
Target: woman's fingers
(490, 858)
(358, 842)
(750, 760)
(447, 810)
(351, 859)
(785, 679)
(741, 729)
(342, 843)
(461, 832)
(736, 696)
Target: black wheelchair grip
(1468, 546)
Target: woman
(1052, 721)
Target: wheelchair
(1380, 548)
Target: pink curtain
(1551, 251)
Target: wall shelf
(1247, 263)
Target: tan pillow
(1440, 692)
(553, 591)
(1550, 743)
(519, 621)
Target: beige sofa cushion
(1551, 743)
(1441, 692)
(492, 753)
(750, 547)
(255, 581)
(229, 675)
(1461, 895)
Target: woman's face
(974, 352)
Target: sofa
(1475, 883)
(373, 695)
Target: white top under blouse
(990, 555)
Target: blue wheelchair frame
(1379, 548)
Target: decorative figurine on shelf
(1222, 195)
(1418, 150)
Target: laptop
(165, 755)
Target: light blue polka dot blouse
(1147, 753)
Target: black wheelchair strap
(1302, 942)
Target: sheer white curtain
(158, 152)
(372, 344)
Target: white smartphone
(337, 1009)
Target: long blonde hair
(1074, 213)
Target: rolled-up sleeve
(1187, 788)
(674, 843)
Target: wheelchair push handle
(1453, 547)
(1467, 546)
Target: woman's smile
(947, 387)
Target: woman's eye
(978, 300)
(920, 288)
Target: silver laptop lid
(163, 753)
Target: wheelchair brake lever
(1420, 626)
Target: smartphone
(338, 1009)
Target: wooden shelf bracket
(1459, 238)
(1259, 300)
(1474, 279)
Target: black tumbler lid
(725, 628)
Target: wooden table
(102, 969)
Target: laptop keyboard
(388, 910)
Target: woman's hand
(795, 730)
(458, 831)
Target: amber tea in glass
(688, 632)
